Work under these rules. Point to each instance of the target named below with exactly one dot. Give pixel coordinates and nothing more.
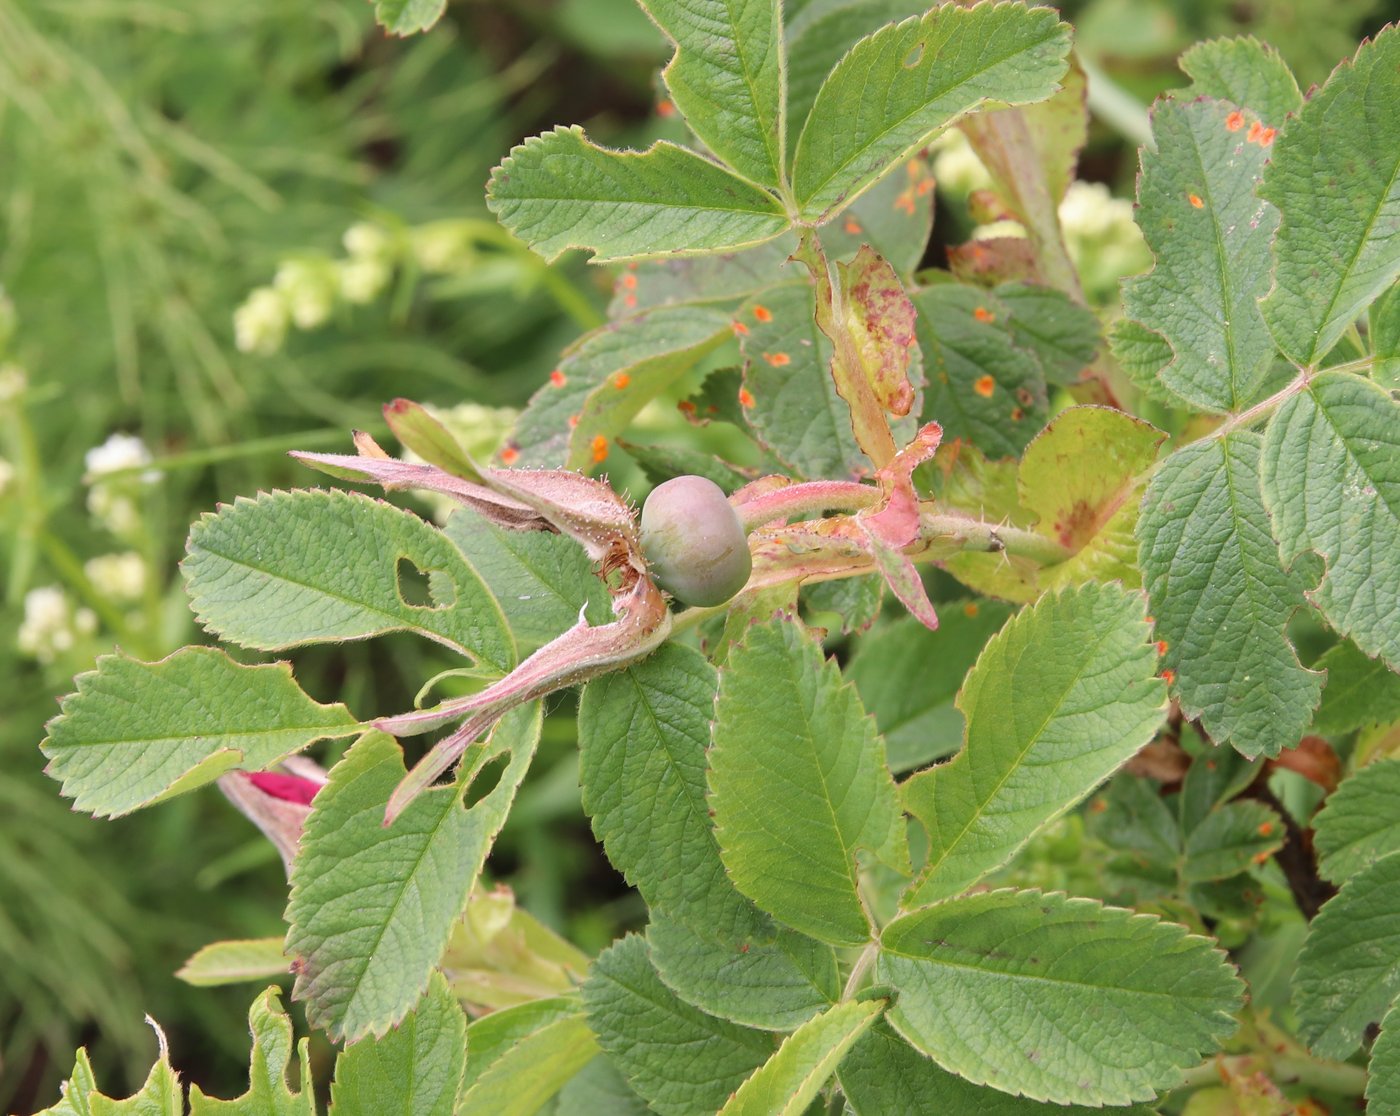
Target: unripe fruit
(694, 542)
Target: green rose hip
(694, 542)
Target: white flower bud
(260, 324)
(122, 576)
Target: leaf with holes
(314, 566)
(134, 733)
(371, 907)
(1061, 697)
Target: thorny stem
(1293, 1067)
(803, 499)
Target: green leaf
(1142, 353)
(1211, 237)
(1335, 177)
(608, 376)
(643, 732)
(541, 580)
(1384, 335)
(908, 676)
(662, 463)
(699, 280)
(1360, 691)
(1061, 697)
(136, 732)
(159, 1095)
(268, 1094)
(371, 908)
(884, 1076)
(682, 1061)
(792, 405)
(982, 387)
(820, 35)
(233, 961)
(406, 17)
(1229, 839)
(420, 431)
(1061, 333)
(894, 217)
(1331, 481)
(1131, 818)
(1221, 601)
(1244, 72)
(316, 566)
(798, 783)
(599, 1090)
(727, 79)
(1383, 1077)
(1091, 1004)
(896, 89)
(518, 1058)
(1349, 969)
(1359, 823)
(789, 1081)
(1216, 776)
(1081, 478)
(773, 982)
(559, 191)
(415, 1069)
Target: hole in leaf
(914, 56)
(420, 588)
(486, 779)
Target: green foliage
(868, 422)
(135, 732)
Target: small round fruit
(694, 542)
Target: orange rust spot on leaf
(762, 313)
(745, 397)
(924, 188)
(777, 360)
(1195, 200)
(1261, 858)
(1255, 131)
(985, 386)
(629, 301)
(1017, 414)
(629, 281)
(557, 378)
(905, 203)
(1168, 676)
(665, 109)
(1161, 647)
(599, 447)
(1098, 806)
(510, 455)
(621, 380)
(739, 328)
(573, 421)
(1235, 121)
(1266, 828)
(970, 609)
(852, 226)
(1266, 137)
(982, 314)
(686, 407)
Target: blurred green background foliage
(228, 230)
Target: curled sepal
(581, 653)
(894, 523)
